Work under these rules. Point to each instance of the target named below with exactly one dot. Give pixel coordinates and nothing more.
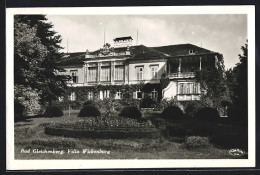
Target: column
(179, 68)
(126, 73)
(99, 73)
(200, 63)
(84, 73)
(112, 78)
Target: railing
(188, 97)
(181, 75)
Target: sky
(220, 33)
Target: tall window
(119, 94)
(72, 96)
(90, 95)
(139, 94)
(105, 74)
(139, 73)
(119, 73)
(188, 88)
(154, 71)
(92, 74)
(196, 89)
(74, 76)
(104, 94)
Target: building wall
(80, 73)
(147, 71)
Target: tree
(237, 78)
(213, 85)
(37, 49)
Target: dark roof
(139, 52)
(123, 38)
(181, 49)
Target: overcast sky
(220, 33)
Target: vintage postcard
(130, 87)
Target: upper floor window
(139, 73)
(92, 74)
(74, 75)
(154, 71)
(188, 88)
(119, 72)
(119, 94)
(191, 51)
(105, 74)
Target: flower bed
(105, 127)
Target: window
(92, 74)
(119, 73)
(105, 74)
(196, 89)
(191, 51)
(154, 94)
(188, 88)
(139, 94)
(154, 71)
(74, 76)
(119, 94)
(90, 95)
(139, 73)
(104, 94)
(72, 96)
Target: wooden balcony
(181, 75)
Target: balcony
(181, 75)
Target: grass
(30, 131)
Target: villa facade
(127, 64)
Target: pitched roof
(138, 52)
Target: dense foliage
(147, 102)
(172, 112)
(207, 114)
(238, 85)
(18, 109)
(131, 112)
(36, 51)
(53, 111)
(89, 111)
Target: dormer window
(191, 51)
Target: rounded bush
(172, 112)
(89, 102)
(207, 114)
(131, 112)
(89, 111)
(53, 111)
(197, 142)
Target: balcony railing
(181, 75)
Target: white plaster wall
(147, 72)
(170, 91)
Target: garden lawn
(28, 132)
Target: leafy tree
(213, 84)
(37, 49)
(238, 85)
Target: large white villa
(127, 64)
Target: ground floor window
(90, 95)
(104, 94)
(154, 94)
(188, 88)
(119, 94)
(138, 94)
(72, 96)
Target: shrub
(89, 102)
(89, 110)
(18, 109)
(131, 112)
(196, 142)
(53, 111)
(191, 107)
(172, 112)
(147, 102)
(207, 114)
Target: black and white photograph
(130, 87)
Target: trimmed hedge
(89, 102)
(53, 111)
(55, 142)
(207, 114)
(147, 102)
(197, 142)
(131, 112)
(89, 110)
(172, 112)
